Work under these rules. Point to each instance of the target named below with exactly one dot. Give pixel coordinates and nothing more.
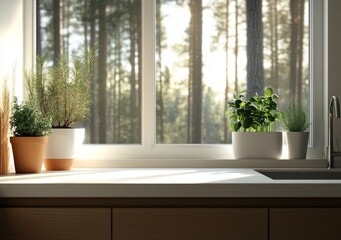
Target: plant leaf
(247, 122)
(237, 126)
(268, 92)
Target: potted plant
(61, 90)
(30, 130)
(294, 120)
(253, 123)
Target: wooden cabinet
(190, 223)
(168, 223)
(55, 223)
(305, 223)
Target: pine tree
(255, 69)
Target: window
(113, 28)
(168, 67)
(208, 49)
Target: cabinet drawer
(190, 223)
(305, 223)
(55, 223)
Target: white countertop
(152, 182)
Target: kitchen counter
(162, 183)
(167, 203)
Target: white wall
(12, 47)
(11, 43)
(334, 60)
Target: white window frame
(149, 150)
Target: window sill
(198, 163)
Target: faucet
(334, 102)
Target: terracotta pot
(260, 145)
(28, 153)
(62, 148)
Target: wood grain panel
(190, 223)
(55, 223)
(305, 223)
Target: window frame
(149, 149)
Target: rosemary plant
(61, 90)
(294, 118)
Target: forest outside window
(203, 51)
(113, 29)
(209, 49)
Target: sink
(303, 174)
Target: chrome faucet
(334, 102)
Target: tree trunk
(85, 23)
(189, 101)
(160, 109)
(299, 80)
(293, 47)
(67, 14)
(139, 45)
(236, 47)
(190, 80)
(110, 96)
(102, 71)
(132, 38)
(276, 88)
(114, 97)
(92, 14)
(196, 11)
(38, 29)
(61, 26)
(119, 87)
(272, 43)
(255, 70)
(56, 31)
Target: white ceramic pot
(257, 145)
(297, 144)
(62, 147)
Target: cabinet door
(190, 223)
(305, 223)
(55, 224)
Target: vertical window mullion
(148, 83)
(317, 24)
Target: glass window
(206, 50)
(165, 69)
(113, 29)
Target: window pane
(208, 49)
(113, 28)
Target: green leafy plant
(61, 90)
(26, 120)
(294, 118)
(258, 114)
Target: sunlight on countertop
(161, 182)
(184, 176)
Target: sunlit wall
(11, 44)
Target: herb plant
(26, 120)
(61, 90)
(294, 118)
(258, 114)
